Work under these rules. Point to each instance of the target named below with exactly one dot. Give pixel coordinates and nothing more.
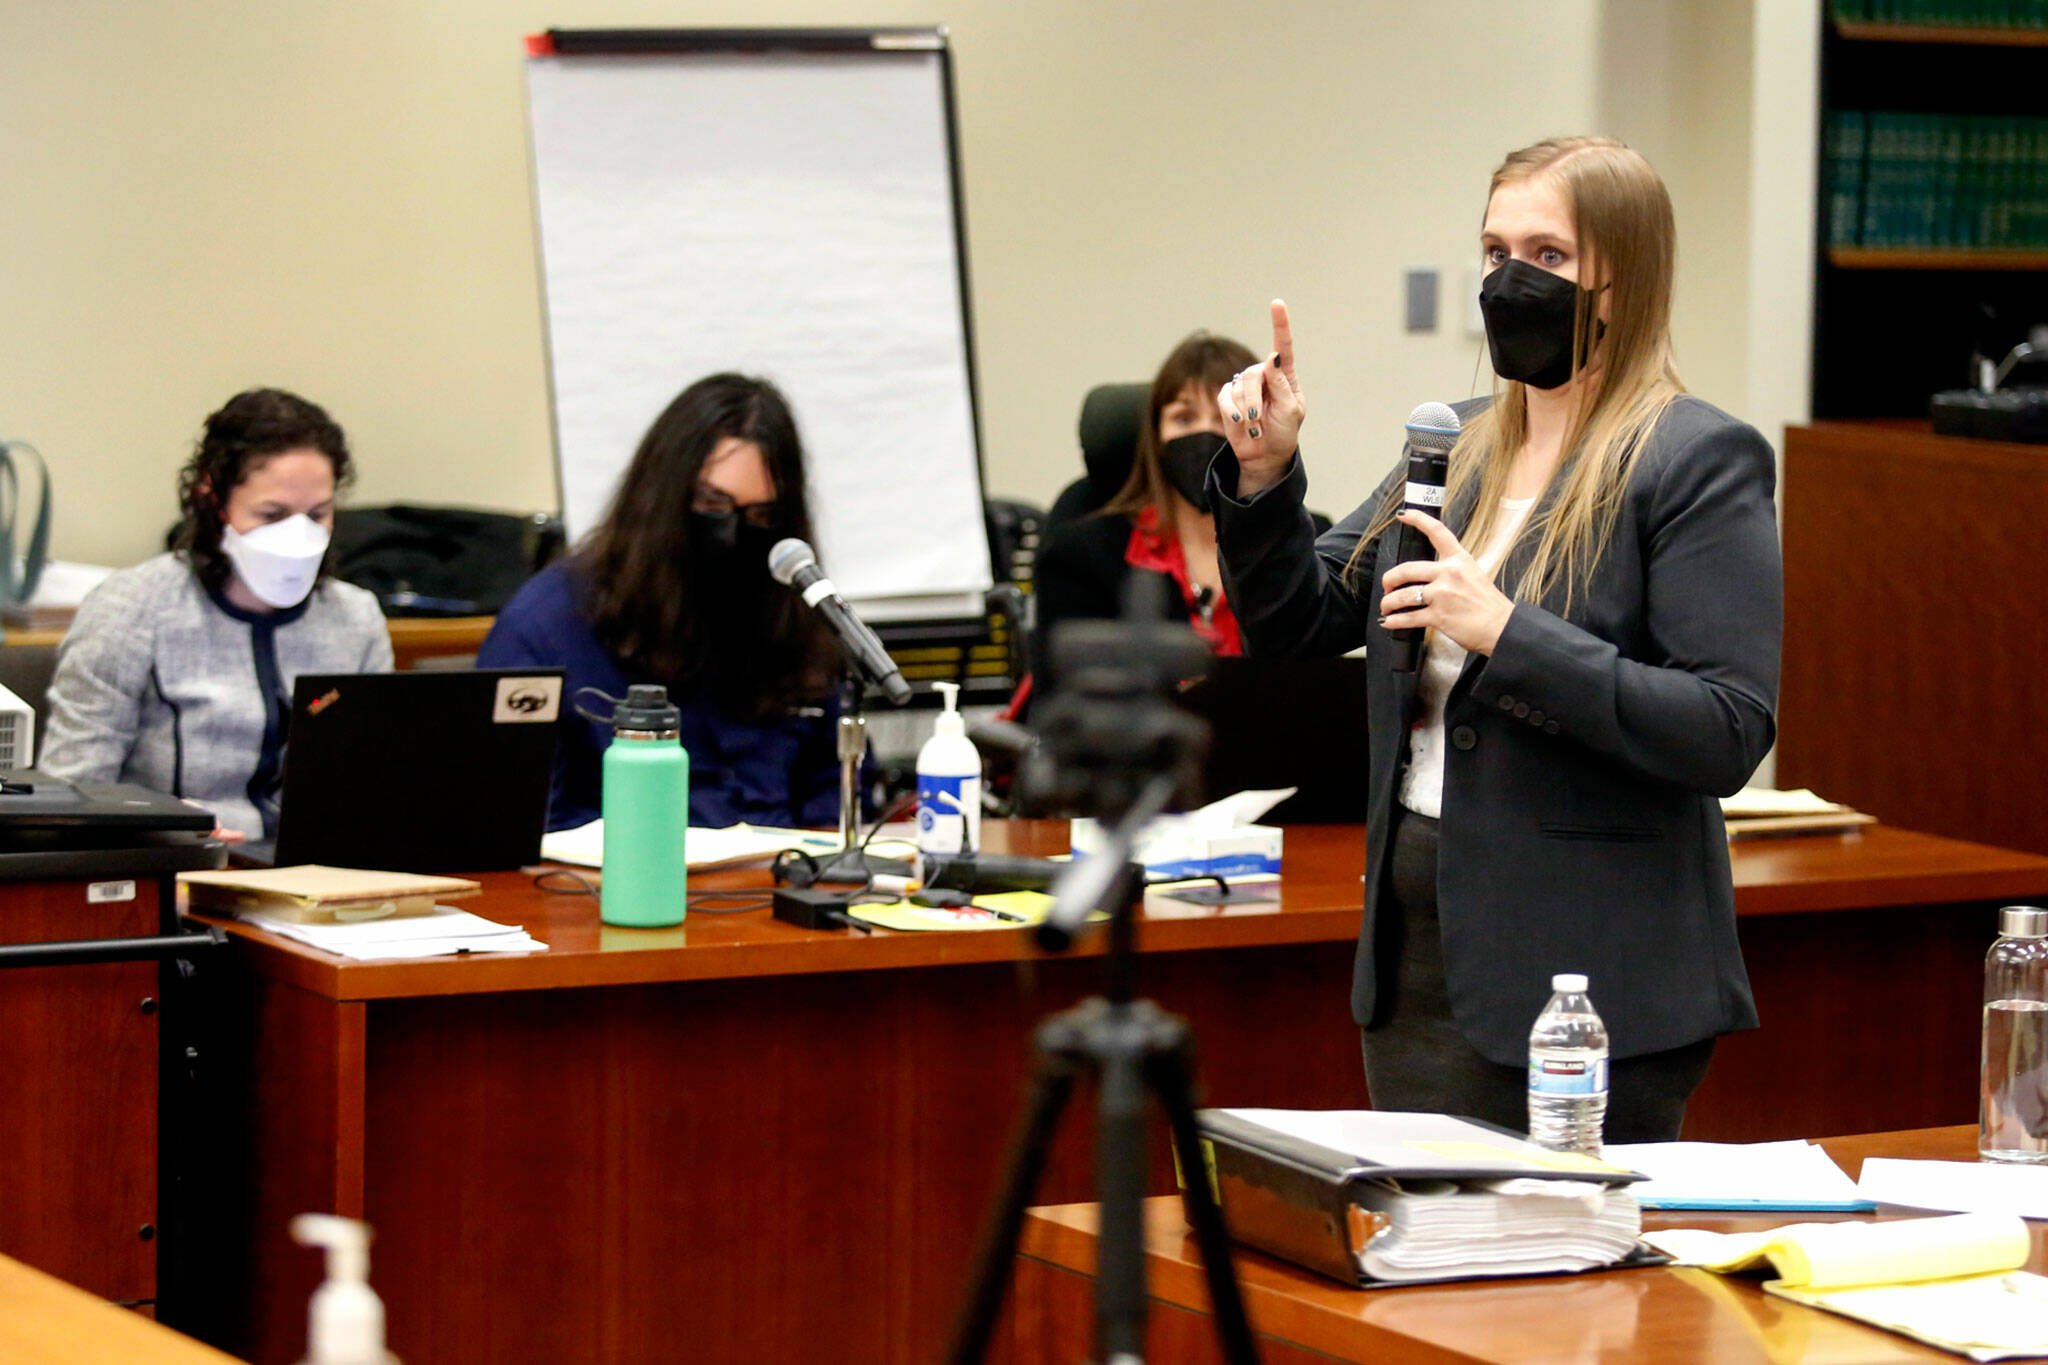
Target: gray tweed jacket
(161, 684)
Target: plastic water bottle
(1568, 1070)
(948, 784)
(2012, 1119)
(646, 813)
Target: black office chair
(1110, 417)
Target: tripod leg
(1050, 1090)
(1120, 1301)
(1172, 1078)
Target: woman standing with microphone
(1603, 614)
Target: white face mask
(280, 561)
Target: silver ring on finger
(1421, 598)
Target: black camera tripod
(1113, 745)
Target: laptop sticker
(527, 700)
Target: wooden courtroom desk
(1662, 1314)
(775, 1144)
(44, 1321)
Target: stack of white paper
(1957, 1186)
(444, 932)
(1436, 1229)
(1737, 1175)
(703, 848)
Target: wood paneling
(296, 1066)
(772, 1144)
(78, 1094)
(1914, 632)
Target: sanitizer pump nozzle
(345, 1322)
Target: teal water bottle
(646, 813)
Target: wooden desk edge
(1063, 1237)
(1898, 876)
(805, 952)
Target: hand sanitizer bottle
(948, 785)
(345, 1321)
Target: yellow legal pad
(1025, 907)
(1951, 1282)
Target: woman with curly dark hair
(177, 673)
(672, 587)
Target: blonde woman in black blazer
(1604, 611)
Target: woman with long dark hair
(672, 587)
(177, 674)
(1603, 615)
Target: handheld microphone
(794, 564)
(980, 874)
(1432, 431)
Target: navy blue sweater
(782, 772)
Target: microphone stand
(853, 747)
(848, 863)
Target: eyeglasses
(715, 502)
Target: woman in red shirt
(1159, 522)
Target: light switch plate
(1420, 287)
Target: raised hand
(1262, 411)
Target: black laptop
(1287, 723)
(30, 801)
(417, 772)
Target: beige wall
(334, 198)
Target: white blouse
(1422, 786)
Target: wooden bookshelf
(1934, 33)
(1934, 258)
(1932, 132)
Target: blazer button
(1549, 727)
(1535, 717)
(1463, 738)
(1521, 709)
(1507, 703)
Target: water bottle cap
(646, 707)
(2023, 921)
(1569, 983)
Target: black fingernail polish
(1276, 357)
(1253, 414)
(1235, 418)
(1254, 431)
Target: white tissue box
(1179, 846)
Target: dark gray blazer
(1580, 828)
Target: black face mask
(1530, 314)
(1184, 461)
(728, 539)
(729, 555)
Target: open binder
(1377, 1198)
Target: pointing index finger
(1440, 537)
(1283, 339)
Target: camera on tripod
(1107, 725)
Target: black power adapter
(809, 908)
